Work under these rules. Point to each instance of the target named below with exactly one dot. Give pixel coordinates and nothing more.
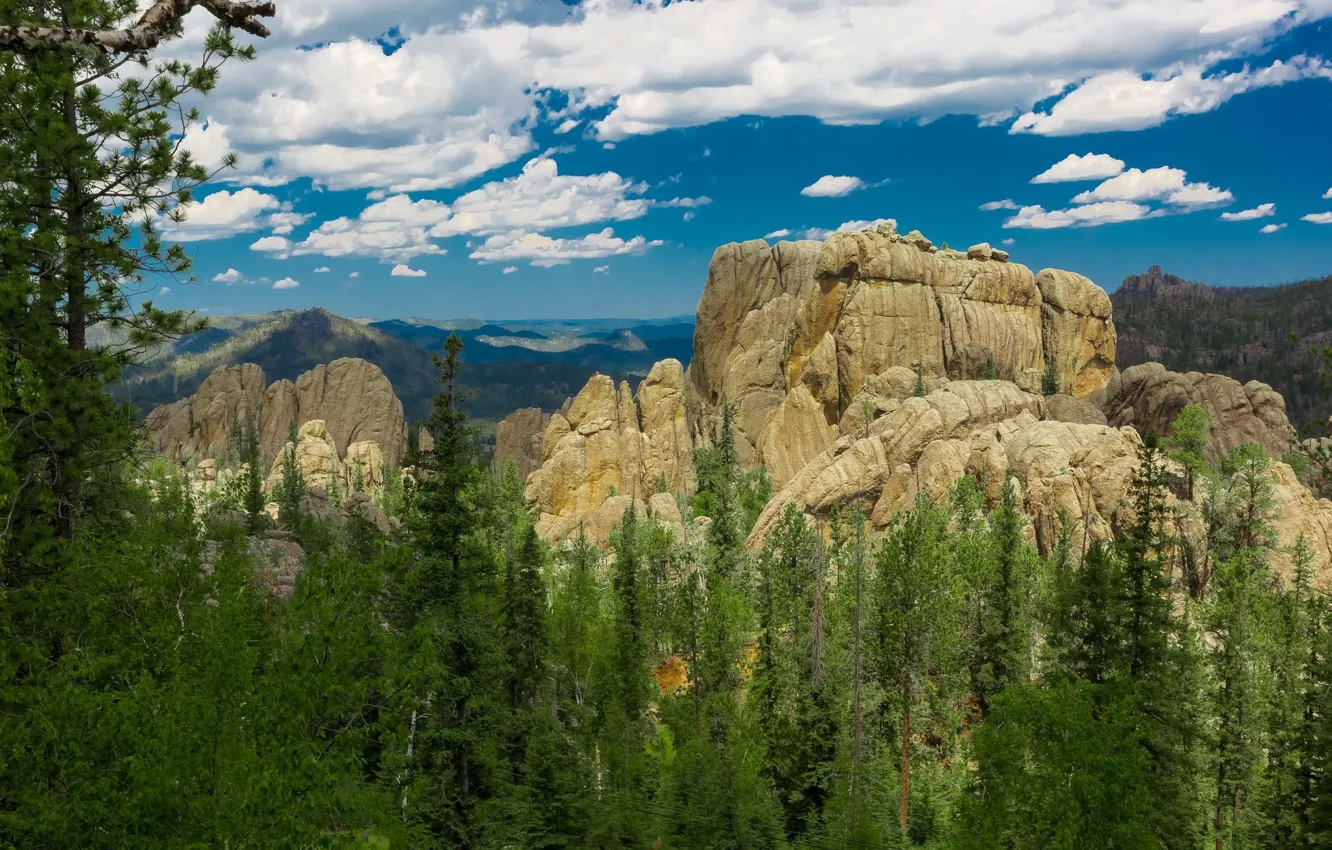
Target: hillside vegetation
(1243, 332)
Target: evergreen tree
(254, 482)
(1050, 379)
(913, 605)
(291, 487)
(1190, 432)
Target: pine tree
(254, 482)
(291, 488)
(1050, 379)
(913, 607)
(1190, 432)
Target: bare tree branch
(160, 19)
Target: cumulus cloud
(821, 233)
(830, 186)
(1089, 166)
(1005, 204)
(1010, 241)
(285, 222)
(601, 270)
(322, 269)
(1260, 211)
(510, 269)
(778, 234)
(1124, 100)
(1271, 228)
(545, 251)
(1318, 218)
(278, 246)
(286, 283)
(219, 215)
(354, 275)
(164, 290)
(1327, 194)
(1037, 217)
(228, 276)
(460, 98)
(539, 198)
(1155, 184)
(404, 270)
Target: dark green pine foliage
(1005, 635)
(254, 482)
(291, 487)
(1050, 378)
(448, 603)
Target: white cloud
(1107, 212)
(1260, 211)
(830, 186)
(1005, 204)
(539, 198)
(778, 234)
(510, 269)
(1010, 241)
(1124, 100)
(567, 125)
(689, 215)
(1271, 228)
(821, 233)
(1318, 218)
(219, 215)
(1155, 184)
(464, 92)
(284, 222)
(544, 251)
(228, 276)
(601, 270)
(286, 283)
(354, 275)
(278, 246)
(1327, 194)
(164, 290)
(1089, 166)
(322, 269)
(403, 270)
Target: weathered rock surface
(351, 396)
(316, 455)
(830, 316)
(613, 448)
(518, 438)
(201, 426)
(1066, 408)
(1149, 396)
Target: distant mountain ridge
(1243, 332)
(511, 365)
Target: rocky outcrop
(202, 425)
(352, 397)
(1155, 283)
(316, 456)
(518, 438)
(830, 316)
(613, 448)
(1150, 396)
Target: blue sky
(540, 161)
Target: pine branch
(155, 24)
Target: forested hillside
(1243, 332)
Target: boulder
(369, 457)
(1065, 408)
(1077, 331)
(518, 439)
(1150, 396)
(357, 404)
(316, 455)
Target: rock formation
(1149, 396)
(518, 438)
(829, 316)
(612, 448)
(352, 397)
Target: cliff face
(352, 397)
(827, 317)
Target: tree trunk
(906, 753)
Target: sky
(521, 159)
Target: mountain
(288, 343)
(1242, 332)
